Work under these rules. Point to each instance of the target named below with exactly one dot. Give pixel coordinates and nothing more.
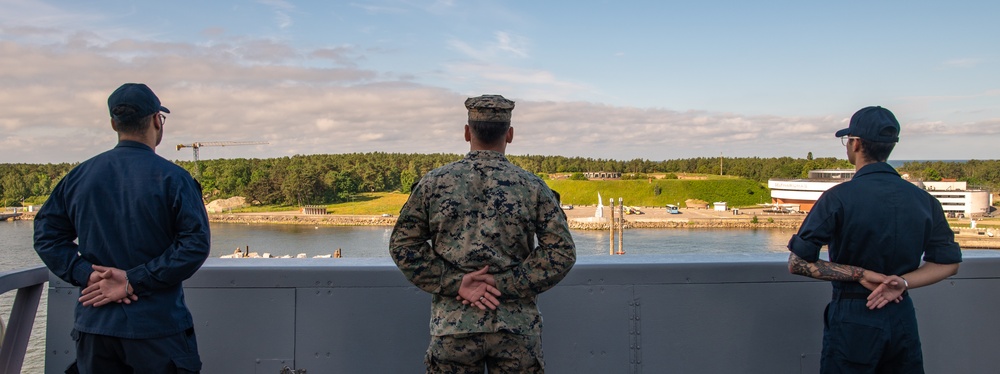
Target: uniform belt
(851, 295)
(857, 295)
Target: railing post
(29, 284)
(22, 318)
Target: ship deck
(622, 314)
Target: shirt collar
(132, 144)
(877, 167)
(485, 155)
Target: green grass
(993, 223)
(375, 203)
(263, 209)
(736, 192)
(371, 204)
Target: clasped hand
(106, 285)
(478, 288)
(884, 289)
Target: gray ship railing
(621, 314)
(29, 285)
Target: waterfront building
(956, 198)
(602, 175)
(805, 191)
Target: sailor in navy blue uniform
(879, 228)
(127, 227)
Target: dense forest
(324, 179)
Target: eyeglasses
(847, 139)
(163, 119)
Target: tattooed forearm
(796, 265)
(837, 272)
(824, 270)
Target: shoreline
(583, 219)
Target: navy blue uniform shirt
(130, 209)
(877, 221)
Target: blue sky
(605, 79)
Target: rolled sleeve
(942, 248)
(817, 229)
(806, 250)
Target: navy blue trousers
(859, 340)
(174, 354)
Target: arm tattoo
(824, 270)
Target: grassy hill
(372, 203)
(736, 192)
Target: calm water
(291, 240)
(278, 240)
(16, 251)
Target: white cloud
(277, 4)
(513, 45)
(985, 128)
(39, 14)
(376, 9)
(281, 9)
(482, 77)
(325, 124)
(283, 19)
(962, 63)
(251, 89)
(504, 45)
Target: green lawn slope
(734, 191)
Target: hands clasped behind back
(478, 288)
(106, 285)
(891, 289)
(885, 288)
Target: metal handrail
(28, 283)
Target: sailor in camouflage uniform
(467, 235)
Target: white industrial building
(955, 197)
(957, 200)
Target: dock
(7, 215)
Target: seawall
(303, 219)
(967, 238)
(691, 224)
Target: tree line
(332, 178)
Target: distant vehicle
(567, 207)
(386, 215)
(672, 209)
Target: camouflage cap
(489, 108)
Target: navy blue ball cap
(137, 96)
(873, 123)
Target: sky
(655, 80)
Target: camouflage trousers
(499, 352)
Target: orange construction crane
(197, 145)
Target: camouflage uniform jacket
(483, 210)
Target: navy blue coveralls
(133, 210)
(882, 223)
